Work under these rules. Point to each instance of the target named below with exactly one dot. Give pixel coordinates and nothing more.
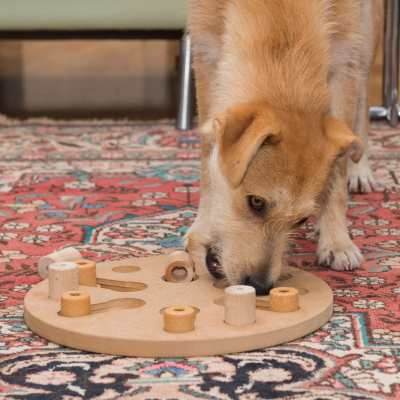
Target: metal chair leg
(184, 117)
(391, 71)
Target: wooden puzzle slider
(63, 276)
(67, 254)
(240, 305)
(75, 303)
(179, 319)
(284, 299)
(180, 267)
(87, 272)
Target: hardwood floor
(75, 79)
(96, 79)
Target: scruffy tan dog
(282, 86)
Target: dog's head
(264, 173)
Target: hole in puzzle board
(126, 269)
(120, 286)
(116, 304)
(221, 284)
(180, 273)
(219, 301)
(285, 277)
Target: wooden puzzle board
(130, 331)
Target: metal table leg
(390, 109)
(184, 118)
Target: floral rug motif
(120, 188)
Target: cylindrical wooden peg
(240, 305)
(67, 254)
(75, 304)
(284, 299)
(180, 267)
(87, 272)
(179, 319)
(63, 276)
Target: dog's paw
(344, 257)
(361, 179)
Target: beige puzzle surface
(126, 313)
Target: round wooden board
(139, 331)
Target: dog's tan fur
(282, 85)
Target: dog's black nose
(262, 289)
(213, 264)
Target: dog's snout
(213, 264)
(259, 281)
(262, 288)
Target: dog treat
(87, 272)
(67, 254)
(63, 276)
(284, 299)
(240, 305)
(179, 319)
(180, 267)
(75, 304)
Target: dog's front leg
(335, 248)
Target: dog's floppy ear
(240, 132)
(346, 142)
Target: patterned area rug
(115, 189)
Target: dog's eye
(256, 204)
(301, 222)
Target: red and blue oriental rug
(119, 188)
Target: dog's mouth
(213, 264)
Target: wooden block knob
(179, 319)
(240, 305)
(180, 267)
(284, 299)
(87, 272)
(75, 304)
(67, 254)
(63, 276)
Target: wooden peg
(87, 272)
(240, 305)
(179, 319)
(75, 304)
(63, 276)
(284, 299)
(67, 254)
(180, 267)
